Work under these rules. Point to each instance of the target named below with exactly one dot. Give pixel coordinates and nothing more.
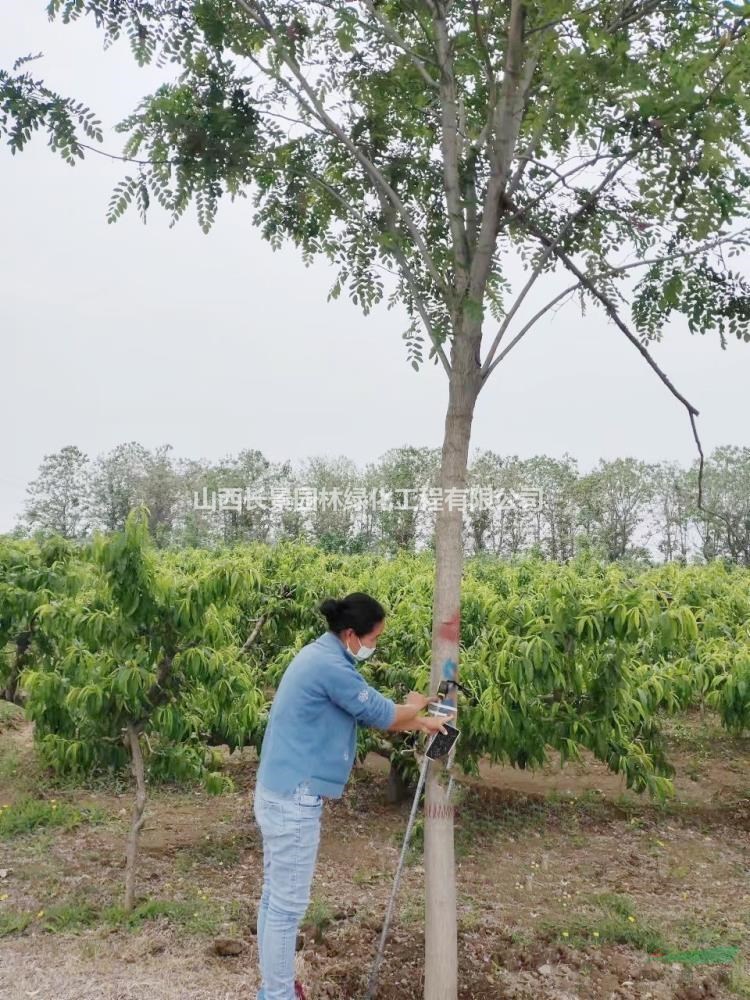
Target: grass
(368, 876)
(10, 712)
(721, 955)
(222, 852)
(691, 934)
(29, 815)
(412, 912)
(196, 916)
(688, 942)
(738, 982)
(14, 922)
(616, 923)
(482, 817)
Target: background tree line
(621, 509)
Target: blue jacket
(311, 734)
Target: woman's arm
(408, 717)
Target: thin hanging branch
(613, 313)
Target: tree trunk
(441, 944)
(396, 789)
(23, 642)
(138, 818)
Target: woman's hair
(358, 611)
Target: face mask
(363, 653)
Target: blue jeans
(290, 826)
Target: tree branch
(253, 9)
(534, 319)
(551, 248)
(393, 36)
(507, 117)
(411, 281)
(449, 143)
(611, 310)
(612, 271)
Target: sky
(215, 343)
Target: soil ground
(570, 887)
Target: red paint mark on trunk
(449, 630)
(441, 811)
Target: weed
(738, 982)
(13, 922)
(319, 916)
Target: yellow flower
(565, 934)
(596, 933)
(631, 919)
(40, 914)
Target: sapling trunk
(139, 805)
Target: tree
(144, 650)
(158, 492)
(725, 528)
(438, 139)
(613, 502)
(399, 478)
(114, 485)
(56, 503)
(672, 502)
(247, 513)
(555, 479)
(330, 521)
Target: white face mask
(363, 653)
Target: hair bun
(357, 611)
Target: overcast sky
(216, 343)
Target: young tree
(438, 139)
(144, 651)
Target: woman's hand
(433, 724)
(420, 701)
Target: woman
(307, 755)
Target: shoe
(299, 993)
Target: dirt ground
(569, 886)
